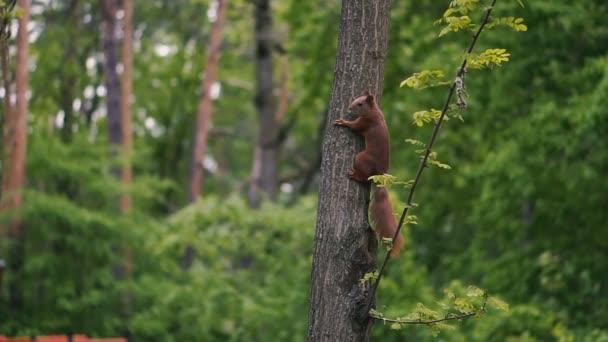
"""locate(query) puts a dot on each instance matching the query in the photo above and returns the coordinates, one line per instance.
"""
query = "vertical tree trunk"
(112, 80)
(205, 106)
(7, 119)
(17, 165)
(127, 91)
(345, 246)
(264, 175)
(284, 90)
(69, 73)
(21, 109)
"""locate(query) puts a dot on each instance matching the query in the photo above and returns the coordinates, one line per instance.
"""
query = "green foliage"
(469, 302)
(426, 116)
(424, 79)
(248, 280)
(488, 58)
(515, 23)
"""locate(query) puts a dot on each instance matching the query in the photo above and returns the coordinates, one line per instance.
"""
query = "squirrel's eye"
(360, 104)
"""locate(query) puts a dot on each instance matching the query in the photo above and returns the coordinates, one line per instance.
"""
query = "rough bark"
(127, 91)
(345, 246)
(264, 175)
(205, 106)
(112, 81)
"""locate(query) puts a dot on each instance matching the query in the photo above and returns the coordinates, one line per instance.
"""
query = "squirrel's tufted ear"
(367, 93)
(369, 98)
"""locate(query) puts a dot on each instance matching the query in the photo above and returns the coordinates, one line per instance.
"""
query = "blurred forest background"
(522, 213)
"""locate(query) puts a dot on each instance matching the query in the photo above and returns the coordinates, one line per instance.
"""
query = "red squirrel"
(373, 160)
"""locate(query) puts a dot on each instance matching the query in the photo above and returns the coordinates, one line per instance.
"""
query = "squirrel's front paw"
(340, 122)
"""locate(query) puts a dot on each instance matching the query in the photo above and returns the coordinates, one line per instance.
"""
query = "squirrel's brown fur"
(385, 223)
(374, 160)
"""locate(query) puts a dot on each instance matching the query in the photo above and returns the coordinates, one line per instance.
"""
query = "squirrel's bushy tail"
(384, 220)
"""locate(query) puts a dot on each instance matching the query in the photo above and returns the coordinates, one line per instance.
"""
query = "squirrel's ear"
(369, 98)
(367, 93)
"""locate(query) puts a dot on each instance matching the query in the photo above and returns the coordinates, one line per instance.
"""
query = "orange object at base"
(51, 338)
(15, 339)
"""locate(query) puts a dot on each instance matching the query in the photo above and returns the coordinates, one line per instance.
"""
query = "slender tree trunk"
(264, 175)
(112, 81)
(21, 109)
(17, 167)
(345, 246)
(284, 90)
(70, 75)
(7, 120)
(205, 106)
(127, 91)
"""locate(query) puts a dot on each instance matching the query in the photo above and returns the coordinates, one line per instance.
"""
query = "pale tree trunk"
(127, 91)
(205, 106)
(264, 175)
(17, 166)
(112, 81)
(21, 109)
(345, 246)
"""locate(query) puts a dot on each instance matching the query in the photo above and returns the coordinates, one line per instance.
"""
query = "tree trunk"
(17, 166)
(69, 74)
(345, 246)
(127, 91)
(112, 80)
(205, 106)
(21, 109)
(283, 102)
(264, 175)
(7, 119)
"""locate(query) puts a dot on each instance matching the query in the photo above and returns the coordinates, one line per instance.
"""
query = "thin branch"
(420, 322)
(434, 321)
(429, 146)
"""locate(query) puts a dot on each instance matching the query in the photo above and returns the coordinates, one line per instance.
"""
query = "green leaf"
(415, 142)
(488, 58)
(424, 79)
(375, 313)
(396, 326)
(411, 219)
(383, 180)
(369, 276)
(499, 304)
(473, 291)
(449, 293)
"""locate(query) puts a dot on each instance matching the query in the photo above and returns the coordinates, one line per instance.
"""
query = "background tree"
(14, 170)
(264, 175)
(345, 247)
(205, 107)
(112, 81)
(127, 93)
(7, 106)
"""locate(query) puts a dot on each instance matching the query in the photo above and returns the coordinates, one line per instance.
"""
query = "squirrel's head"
(362, 104)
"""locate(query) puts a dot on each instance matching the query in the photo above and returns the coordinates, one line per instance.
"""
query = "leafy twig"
(435, 321)
(428, 149)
